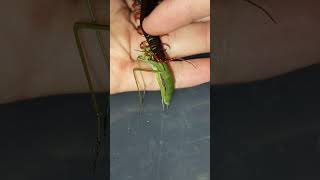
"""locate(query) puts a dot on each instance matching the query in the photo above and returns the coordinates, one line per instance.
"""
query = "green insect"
(164, 76)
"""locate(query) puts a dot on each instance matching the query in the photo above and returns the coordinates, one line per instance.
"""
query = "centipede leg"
(165, 44)
(136, 15)
(135, 4)
(139, 30)
(144, 44)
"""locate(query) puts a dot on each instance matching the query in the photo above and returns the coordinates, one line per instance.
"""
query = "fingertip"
(162, 19)
(149, 26)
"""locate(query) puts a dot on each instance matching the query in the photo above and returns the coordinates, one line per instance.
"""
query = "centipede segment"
(136, 14)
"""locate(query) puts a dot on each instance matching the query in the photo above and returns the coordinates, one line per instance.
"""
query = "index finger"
(173, 14)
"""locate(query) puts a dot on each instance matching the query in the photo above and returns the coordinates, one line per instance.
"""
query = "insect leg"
(136, 80)
(262, 9)
(144, 82)
(76, 29)
(98, 33)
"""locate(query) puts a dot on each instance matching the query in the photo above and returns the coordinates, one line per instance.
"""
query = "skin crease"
(123, 54)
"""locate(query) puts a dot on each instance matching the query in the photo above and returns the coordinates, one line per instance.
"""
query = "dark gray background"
(269, 129)
(265, 130)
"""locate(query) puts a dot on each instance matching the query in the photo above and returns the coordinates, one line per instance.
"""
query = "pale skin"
(184, 36)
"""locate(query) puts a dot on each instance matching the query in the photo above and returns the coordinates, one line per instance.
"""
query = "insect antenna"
(262, 9)
(184, 60)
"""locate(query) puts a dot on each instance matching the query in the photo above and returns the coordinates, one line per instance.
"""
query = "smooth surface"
(53, 138)
(248, 46)
(157, 144)
(269, 129)
(38, 53)
(48, 138)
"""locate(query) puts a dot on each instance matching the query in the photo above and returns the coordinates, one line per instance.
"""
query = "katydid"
(163, 72)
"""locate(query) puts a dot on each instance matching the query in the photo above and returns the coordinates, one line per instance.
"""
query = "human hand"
(188, 23)
(125, 41)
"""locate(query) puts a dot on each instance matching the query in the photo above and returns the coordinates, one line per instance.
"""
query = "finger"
(189, 40)
(115, 6)
(205, 19)
(188, 76)
(185, 75)
(186, 41)
(173, 14)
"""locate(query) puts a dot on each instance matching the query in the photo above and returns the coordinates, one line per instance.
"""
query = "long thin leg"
(76, 29)
(98, 33)
(263, 10)
(144, 82)
(103, 49)
(136, 80)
